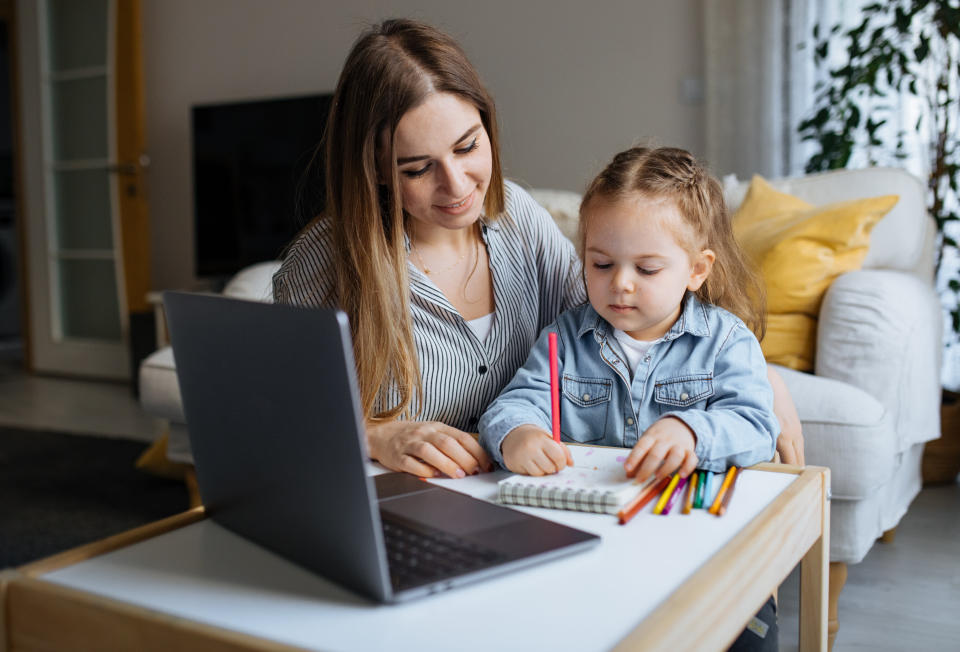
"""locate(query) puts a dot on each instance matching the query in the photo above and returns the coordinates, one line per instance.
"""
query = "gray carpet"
(60, 490)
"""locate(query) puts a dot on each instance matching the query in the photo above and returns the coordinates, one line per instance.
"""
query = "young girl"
(658, 360)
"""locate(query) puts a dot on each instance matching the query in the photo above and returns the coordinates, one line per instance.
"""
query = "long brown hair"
(392, 68)
(675, 174)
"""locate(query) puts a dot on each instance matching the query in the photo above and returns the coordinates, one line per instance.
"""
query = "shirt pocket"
(683, 391)
(585, 406)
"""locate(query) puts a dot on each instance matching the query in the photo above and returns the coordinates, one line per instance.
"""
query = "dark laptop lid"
(245, 432)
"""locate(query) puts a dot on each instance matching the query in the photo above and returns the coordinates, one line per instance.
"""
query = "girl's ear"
(700, 269)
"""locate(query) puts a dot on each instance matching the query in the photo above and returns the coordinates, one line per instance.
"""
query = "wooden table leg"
(838, 577)
(814, 586)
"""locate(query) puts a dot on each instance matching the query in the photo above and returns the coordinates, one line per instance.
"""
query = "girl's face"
(636, 271)
(444, 161)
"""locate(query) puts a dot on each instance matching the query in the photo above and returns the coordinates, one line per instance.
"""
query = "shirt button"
(482, 370)
(630, 421)
(646, 358)
(586, 397)
(684, 396)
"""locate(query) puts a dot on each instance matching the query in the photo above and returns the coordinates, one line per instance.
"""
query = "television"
(250, 193)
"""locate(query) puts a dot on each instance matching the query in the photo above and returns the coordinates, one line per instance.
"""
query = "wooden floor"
(903, 596)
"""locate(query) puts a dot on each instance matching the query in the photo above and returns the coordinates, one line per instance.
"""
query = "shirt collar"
(692, 319)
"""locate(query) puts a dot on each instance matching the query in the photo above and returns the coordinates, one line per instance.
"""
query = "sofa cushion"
(254, 282)
(846, 429)
(159, 389)
(799, 250)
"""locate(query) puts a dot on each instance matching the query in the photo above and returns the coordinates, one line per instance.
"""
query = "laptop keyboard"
(421, 555)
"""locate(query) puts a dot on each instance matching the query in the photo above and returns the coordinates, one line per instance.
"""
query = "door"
(81, 126)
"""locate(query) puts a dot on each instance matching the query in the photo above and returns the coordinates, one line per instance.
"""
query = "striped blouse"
(536, 275)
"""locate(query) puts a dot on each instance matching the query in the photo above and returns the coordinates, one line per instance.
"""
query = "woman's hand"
(790, 441)
(664, 447)
(532, 451)
(425, 448)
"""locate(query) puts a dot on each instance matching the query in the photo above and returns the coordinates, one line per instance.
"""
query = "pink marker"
(673, 497)
(554, 387)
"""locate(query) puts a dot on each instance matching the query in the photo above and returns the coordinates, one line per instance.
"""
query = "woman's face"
(443, 158)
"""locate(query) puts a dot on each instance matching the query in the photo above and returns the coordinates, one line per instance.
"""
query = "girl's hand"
(425, 448)
(664, 447)
(532, 451)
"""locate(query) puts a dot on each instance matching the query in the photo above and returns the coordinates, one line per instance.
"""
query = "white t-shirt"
(481, 326)
(635, 350)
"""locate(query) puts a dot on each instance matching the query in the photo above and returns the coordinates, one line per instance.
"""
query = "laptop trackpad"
(450, 511)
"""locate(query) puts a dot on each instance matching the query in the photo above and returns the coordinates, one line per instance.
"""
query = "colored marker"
(701, 480)
(707, 489)
(729, 495)
(691, 490)
(715, 507)
(554, 387)
(633, 508)
(665, 496)
(674, 497)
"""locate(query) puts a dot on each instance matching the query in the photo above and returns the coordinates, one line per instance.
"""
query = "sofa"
(873, 399)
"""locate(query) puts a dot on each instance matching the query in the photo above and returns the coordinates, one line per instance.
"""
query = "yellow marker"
(715, 507)
(665, 496)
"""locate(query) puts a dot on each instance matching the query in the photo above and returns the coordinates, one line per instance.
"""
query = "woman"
(446, 271)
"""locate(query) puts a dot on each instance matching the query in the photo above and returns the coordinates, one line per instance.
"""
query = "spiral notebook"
(595, 483)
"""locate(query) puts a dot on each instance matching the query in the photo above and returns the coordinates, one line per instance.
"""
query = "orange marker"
(691, 490)
(633, 508)
(729, 495)
(715, 507)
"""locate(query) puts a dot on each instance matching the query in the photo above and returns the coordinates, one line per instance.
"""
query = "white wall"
(574, 82)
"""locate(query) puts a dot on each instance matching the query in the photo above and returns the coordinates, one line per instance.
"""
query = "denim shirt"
(707, 371)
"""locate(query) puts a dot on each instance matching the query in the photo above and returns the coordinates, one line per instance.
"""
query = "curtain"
(759, 82)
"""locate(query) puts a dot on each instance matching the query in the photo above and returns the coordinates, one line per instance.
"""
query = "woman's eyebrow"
(423, 157)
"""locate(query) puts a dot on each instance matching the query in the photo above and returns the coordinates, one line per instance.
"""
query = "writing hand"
(426, 448)
(531, 450)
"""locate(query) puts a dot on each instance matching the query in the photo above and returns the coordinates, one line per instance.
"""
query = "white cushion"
(846, 429)
(254, 282)
(159, 389)
(563, 206)
(880, 330)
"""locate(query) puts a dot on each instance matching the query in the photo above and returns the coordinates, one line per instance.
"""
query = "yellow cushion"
(800, 249)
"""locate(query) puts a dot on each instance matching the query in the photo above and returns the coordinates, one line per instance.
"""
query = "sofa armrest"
(880, 330)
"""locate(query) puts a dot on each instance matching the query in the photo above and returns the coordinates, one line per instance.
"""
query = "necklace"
(427, 270)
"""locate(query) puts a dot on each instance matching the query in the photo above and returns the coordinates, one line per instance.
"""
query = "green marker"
(698, 498)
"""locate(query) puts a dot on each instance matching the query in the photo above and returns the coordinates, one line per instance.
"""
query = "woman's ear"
(700, 269)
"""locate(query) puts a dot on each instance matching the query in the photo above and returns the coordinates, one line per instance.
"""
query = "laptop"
(271, 401)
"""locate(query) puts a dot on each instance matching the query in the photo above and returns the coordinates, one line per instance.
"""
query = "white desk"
(679, 582)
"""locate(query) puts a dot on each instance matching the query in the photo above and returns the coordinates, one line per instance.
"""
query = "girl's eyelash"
(647, 272)
(417, 173)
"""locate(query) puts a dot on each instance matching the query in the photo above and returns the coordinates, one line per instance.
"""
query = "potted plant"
(902, 51)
